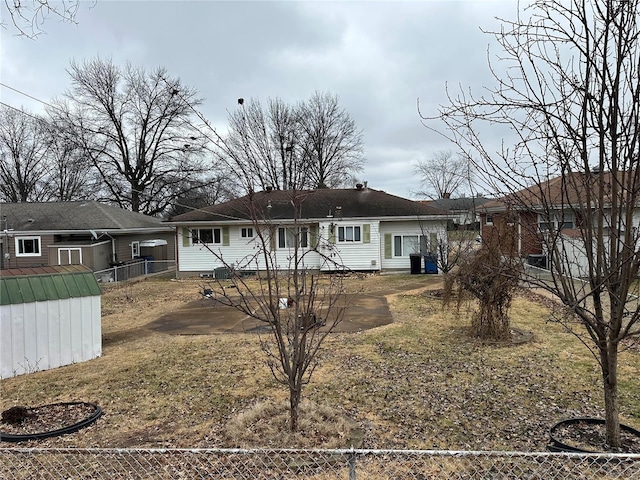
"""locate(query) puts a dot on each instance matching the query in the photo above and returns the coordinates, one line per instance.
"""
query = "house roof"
(313, 204)
(458, 204)
(73, 216)
(569, 189)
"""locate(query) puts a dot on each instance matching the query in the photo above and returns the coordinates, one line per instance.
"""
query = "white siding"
(242, 253)
(42, 335)
(352, 255)
(331, 254)
(417, 227)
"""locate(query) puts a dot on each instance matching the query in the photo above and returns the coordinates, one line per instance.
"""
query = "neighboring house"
(358, 229)
(464, 210)
(524, 220)
(49, 317)
(85, 233)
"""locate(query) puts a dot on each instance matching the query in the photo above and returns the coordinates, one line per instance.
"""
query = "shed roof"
(29, 285)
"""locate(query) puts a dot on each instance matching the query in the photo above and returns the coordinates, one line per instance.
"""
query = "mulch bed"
(45, 418)
(586, 436)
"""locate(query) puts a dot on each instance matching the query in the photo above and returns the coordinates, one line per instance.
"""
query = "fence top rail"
(290, 451)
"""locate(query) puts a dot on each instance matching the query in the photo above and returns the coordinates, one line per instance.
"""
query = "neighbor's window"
(207, 235)
(488, 220)
(555, 221)
(405, 245)
(349, 233)
(246, 232)
(135, 249)
(289, 236)
(28, 246)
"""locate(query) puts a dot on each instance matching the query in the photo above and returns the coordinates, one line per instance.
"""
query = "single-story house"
(360, 229)
(86, 233)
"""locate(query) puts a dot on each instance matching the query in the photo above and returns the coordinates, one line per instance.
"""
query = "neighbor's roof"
(313, 204)
(69, 216)
(458, 204)
(566, 190)
(27, 285)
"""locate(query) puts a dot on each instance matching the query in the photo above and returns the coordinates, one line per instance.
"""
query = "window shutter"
(225, 236)
(185, 237)
(272, 239)
(387, 245)
(366, 233)
(332, 233)
(313, 234)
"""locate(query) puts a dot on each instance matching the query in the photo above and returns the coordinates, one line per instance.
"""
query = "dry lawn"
(420, 382)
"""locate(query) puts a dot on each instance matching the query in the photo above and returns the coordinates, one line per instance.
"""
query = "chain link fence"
(81, 464)
(133, 269)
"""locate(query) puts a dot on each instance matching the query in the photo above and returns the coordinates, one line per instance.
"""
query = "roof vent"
(269, 188)
(359, 186)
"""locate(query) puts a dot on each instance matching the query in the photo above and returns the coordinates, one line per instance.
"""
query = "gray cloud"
(378, 57)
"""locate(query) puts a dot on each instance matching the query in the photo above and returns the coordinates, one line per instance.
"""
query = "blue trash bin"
(430, 264)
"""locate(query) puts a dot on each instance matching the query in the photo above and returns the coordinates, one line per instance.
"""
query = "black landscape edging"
(558, 446)
(7, 437)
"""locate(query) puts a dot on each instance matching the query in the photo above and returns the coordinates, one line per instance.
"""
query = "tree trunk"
(609, 362)
(294, 403)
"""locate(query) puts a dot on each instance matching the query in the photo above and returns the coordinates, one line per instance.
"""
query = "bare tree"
(299, 306)
(444, 174)
(28, 16)
(23, 150)
(261, 145)
(71, 175)
(205, 192)
(136, 129)
(331, 142)
(571, 94)
(315, 144)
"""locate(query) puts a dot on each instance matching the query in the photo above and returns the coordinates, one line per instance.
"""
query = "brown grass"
(420, 382)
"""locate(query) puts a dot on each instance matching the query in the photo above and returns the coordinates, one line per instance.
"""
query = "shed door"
(69, 256)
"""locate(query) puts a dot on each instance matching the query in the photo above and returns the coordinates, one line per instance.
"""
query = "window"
(69, 256)
(246, 232)
(28, 247)
(287, 237)
(555, 221)
(135, 249)
(349, 234)
(488, 220)
(405, 245)
(207, 235)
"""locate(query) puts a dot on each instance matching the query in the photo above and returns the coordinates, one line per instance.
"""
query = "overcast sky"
(378, 57)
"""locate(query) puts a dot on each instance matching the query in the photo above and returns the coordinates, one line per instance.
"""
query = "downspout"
(113, 246)
(519, 236)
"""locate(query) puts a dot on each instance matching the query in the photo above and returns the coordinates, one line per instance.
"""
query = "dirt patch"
(208, 316)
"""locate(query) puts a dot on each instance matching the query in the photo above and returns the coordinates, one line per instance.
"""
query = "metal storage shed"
(49, 317)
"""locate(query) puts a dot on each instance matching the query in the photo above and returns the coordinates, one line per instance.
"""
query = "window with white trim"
(246, 232)
(206, 235)
(405, 245)
(488, 219)
(288, 237)
(135, 249)
(349, 233)
(28, 246)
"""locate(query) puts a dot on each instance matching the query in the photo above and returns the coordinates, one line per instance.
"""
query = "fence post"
(352, 464)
